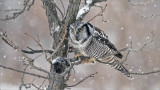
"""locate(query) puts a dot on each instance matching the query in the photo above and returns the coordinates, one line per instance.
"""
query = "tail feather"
(119, 55)
(118, 66)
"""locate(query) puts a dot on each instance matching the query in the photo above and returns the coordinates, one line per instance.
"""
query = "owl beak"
(75, 33)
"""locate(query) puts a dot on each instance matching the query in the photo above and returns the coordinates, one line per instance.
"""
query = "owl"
(90, 41)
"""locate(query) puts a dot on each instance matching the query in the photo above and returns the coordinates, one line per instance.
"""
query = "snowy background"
(125, 23)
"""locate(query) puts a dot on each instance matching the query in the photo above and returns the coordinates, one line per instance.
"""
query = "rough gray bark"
(57, 81)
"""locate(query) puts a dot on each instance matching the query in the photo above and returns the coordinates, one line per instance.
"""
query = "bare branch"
(92, 75)
(143, 73)
(22, 78)
(29, 6)
(143, 4)
(16, 14)
(27, 86)
(64, 12)
(144, 45)
(60, 11)
(9, 68)
(32, 51)
(100, 14)
(11, 10)
(38, 42)
(27, 60)
(42, 83)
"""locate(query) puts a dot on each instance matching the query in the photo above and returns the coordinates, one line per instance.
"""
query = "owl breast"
(95, 49)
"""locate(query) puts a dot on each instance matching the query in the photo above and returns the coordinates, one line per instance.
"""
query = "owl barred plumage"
(93, 42)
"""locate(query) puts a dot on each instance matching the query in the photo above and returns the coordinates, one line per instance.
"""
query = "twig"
(29, 6)
(9, 68)
(140, 4)
(36, 51)
(100, 13)
(42, 84)
(27, 59)
(59, 11)
(29, 84)
(144, 45)
(16, 14)
(64, 12)
(128, 52)
(92, 75)
(38, 42)
(143, 4)
(35, 86)
(22, 78)
(147, 73)
(10, 10)
(68, 76)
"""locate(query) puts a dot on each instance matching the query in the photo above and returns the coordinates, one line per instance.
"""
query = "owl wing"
(102, 38)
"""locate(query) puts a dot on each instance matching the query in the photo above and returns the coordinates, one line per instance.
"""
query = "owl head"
(80, 31)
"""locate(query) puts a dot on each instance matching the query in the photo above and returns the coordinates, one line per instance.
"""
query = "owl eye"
(80, 29)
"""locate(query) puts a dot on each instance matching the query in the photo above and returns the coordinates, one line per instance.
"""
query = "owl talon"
(87, 61)
(78, 55)
(90, 60)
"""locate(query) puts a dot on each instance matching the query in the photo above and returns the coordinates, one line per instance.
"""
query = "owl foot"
(89, 60)
(78, 55)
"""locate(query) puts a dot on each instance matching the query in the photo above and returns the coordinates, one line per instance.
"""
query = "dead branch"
(16, 14)
(27, 60)
(29, 6)
(10, 10)
(9, 68)
(27, 86)
(41, 84)
(38, 42)
(32, 51)
(92, 75)
(100, 13)
(143, 4)
(22, 78)
(64, 12)
(145, 73)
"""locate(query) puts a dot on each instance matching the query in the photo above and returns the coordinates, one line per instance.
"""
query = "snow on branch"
(85, 9)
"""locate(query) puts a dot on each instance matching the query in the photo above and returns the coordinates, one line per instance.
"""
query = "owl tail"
(118, 66)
